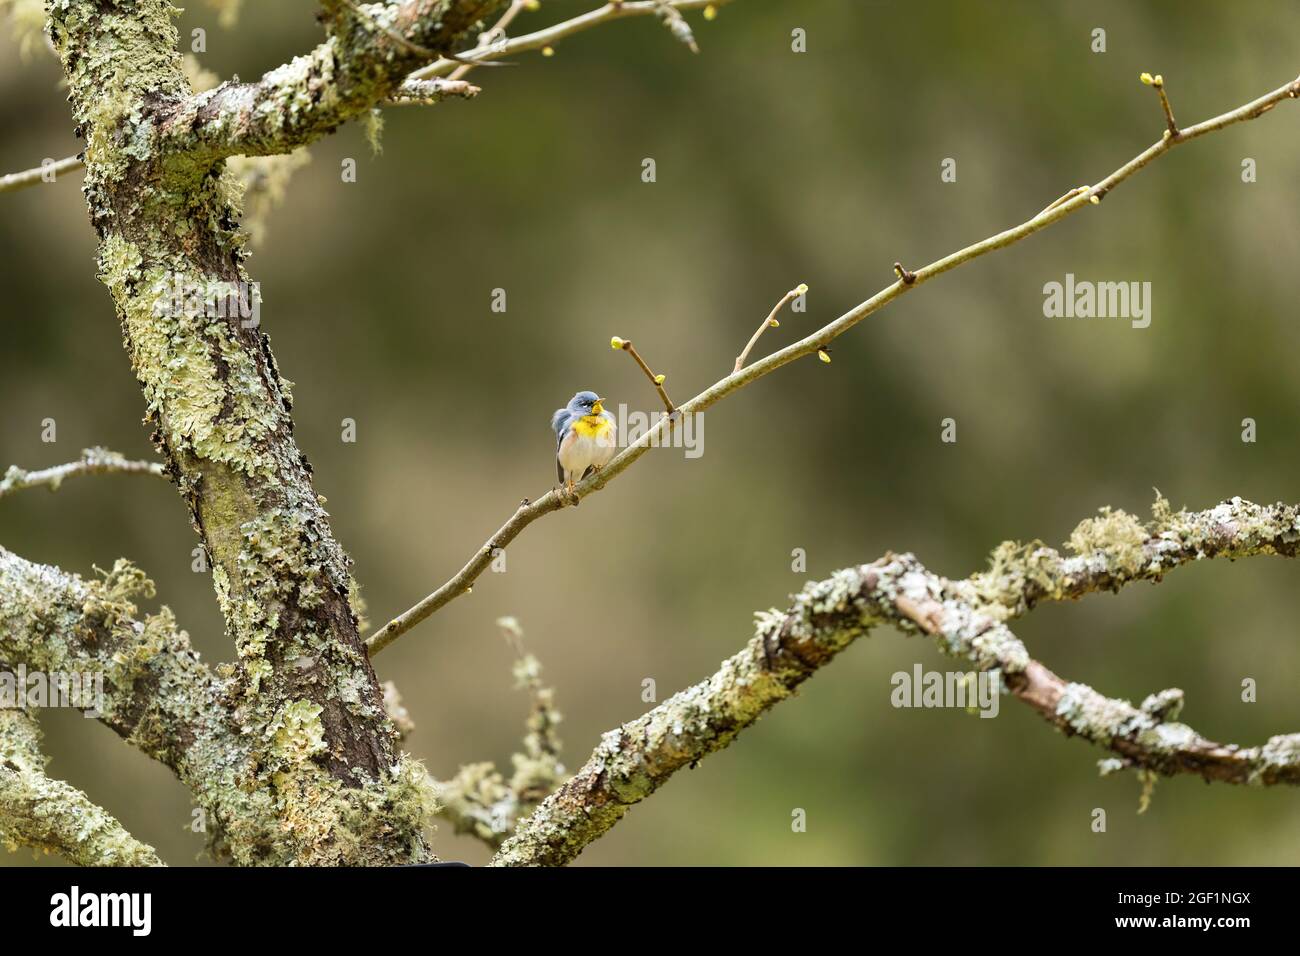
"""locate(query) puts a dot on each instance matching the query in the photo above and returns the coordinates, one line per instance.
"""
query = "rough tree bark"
(166, 212)
(291, 750)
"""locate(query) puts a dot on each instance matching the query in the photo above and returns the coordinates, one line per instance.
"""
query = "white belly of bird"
(581, 452)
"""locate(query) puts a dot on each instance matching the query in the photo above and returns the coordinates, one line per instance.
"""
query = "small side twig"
(769, 322)
(428, 92)
(479, 800)
(547, 37)
(656, 380)
(676, 23)
(1158, 82)
(1063, 198)
(93, 461)
(497, 32)
(902, 272)
(30, 177)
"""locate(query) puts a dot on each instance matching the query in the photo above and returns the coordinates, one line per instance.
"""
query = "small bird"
(585, 438)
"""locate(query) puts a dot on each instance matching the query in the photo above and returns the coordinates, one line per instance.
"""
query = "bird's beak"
(599, 406)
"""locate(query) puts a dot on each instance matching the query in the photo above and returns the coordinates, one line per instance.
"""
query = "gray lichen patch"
(1279, 756)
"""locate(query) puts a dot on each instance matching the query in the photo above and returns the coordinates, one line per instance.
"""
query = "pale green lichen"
(51, 816)
(296, 731)
(1148, 780)
(1115, 532)
(375, 131)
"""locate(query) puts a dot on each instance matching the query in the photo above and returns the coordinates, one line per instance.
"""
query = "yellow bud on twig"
(548, 51)
(824, 355)
(1147, 78)
(801, 288)
(774, 323)
(710, 12)
(659, 379)
(616, 343)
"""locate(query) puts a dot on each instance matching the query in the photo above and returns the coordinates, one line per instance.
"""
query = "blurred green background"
(773, 168)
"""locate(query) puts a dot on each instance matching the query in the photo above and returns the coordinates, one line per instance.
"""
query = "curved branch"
(54, 816)
(825, 617)
(93, 461)
(1078, 199)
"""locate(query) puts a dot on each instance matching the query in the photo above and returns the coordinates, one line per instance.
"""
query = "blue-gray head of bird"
(584, 403)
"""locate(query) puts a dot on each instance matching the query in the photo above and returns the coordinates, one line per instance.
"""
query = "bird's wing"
(567, 434)
(560, 423)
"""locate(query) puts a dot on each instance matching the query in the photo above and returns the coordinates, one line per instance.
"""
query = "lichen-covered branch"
(369, 53)
(53, 816)
(479, 800)
(816, 343)
(965, 620)
(308, 706)
(158, 695)
(93, 461)
(1116, 548)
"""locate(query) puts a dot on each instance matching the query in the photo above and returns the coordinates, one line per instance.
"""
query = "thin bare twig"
(769, 322)
(497, 32)
(1158, 82)
(32, 177)
(816, 343)
(551, 35)
(93, 461)
(656, 380)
